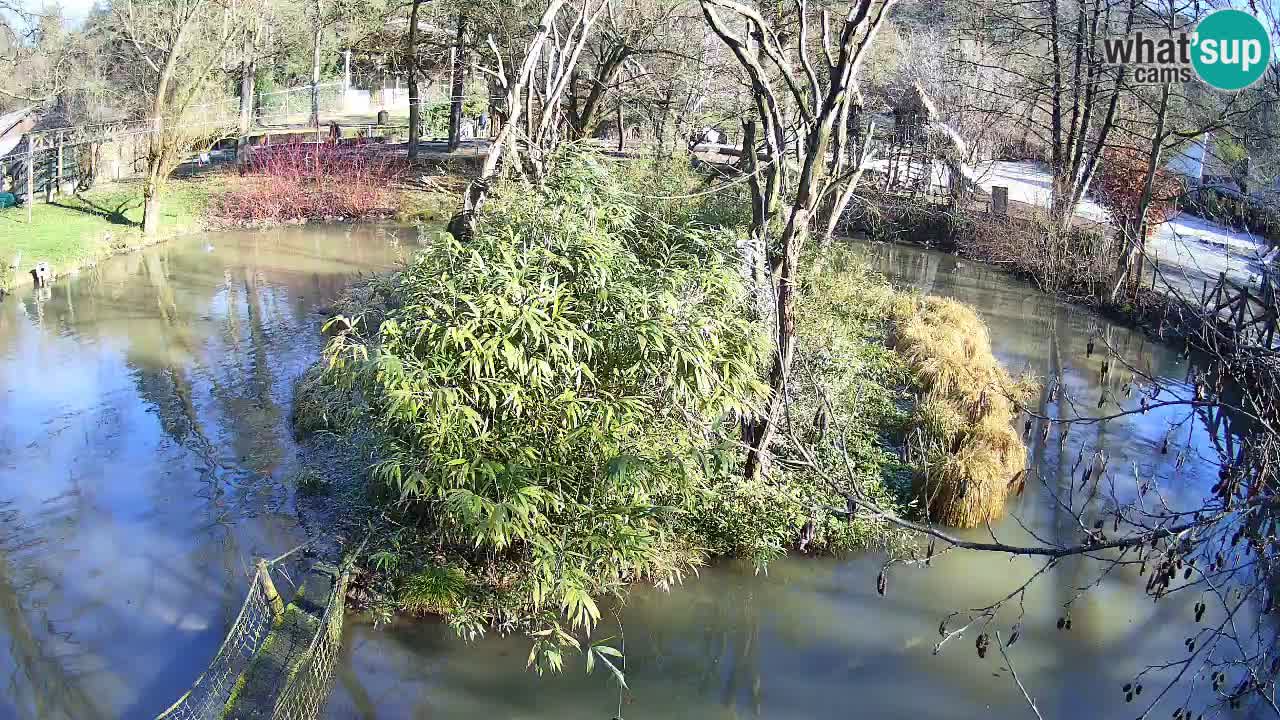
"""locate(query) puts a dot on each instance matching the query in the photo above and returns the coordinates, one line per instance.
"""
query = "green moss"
(426, 208)
(235, 696)
(238, 689)
(434, 590)
(261, 656)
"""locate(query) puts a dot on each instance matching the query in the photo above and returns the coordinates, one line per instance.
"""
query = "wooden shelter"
(910, 157)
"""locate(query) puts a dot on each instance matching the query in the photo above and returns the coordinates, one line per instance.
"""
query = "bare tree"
(1159, 121)
(822, 102)
(533, 109)
(37, 56)
(178, 47)
(629, 35)
(1044, 63)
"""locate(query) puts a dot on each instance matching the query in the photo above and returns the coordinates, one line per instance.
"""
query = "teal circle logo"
(1232, 49)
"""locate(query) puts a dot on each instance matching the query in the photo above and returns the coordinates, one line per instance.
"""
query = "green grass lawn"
(78, 230)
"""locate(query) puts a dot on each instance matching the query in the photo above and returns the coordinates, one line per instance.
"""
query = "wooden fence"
(1247, 316)
(60, 162)
(49, 164)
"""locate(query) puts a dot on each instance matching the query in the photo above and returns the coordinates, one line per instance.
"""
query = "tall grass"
(967, 455)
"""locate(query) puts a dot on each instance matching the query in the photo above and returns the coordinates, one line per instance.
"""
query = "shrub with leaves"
(556, 404)
(1122, 181)
(546, 394)
(848, 400)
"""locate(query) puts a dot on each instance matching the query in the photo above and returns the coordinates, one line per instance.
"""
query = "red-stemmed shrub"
(313, 181)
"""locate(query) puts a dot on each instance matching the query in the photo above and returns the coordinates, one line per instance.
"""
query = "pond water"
(145, 454)
(146, 458)
(812, 639)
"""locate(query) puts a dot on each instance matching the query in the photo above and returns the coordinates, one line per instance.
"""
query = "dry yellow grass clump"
(967, 455)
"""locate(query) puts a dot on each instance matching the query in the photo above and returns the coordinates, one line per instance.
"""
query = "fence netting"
(311, 679)
(209, 695)
(310, 676)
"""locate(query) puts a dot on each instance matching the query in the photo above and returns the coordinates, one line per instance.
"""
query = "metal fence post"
(31, 180)
(62, 137)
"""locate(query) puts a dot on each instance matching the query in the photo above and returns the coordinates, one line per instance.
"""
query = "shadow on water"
(812, 639)
(145, 454)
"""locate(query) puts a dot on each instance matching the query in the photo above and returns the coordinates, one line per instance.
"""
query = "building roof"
(13, 126)
(916, 101)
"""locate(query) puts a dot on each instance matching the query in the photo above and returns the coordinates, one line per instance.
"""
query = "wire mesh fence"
(282, 106)
(311, 680)
(209, 695)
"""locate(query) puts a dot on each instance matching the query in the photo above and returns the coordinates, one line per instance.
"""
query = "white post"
(346, 70)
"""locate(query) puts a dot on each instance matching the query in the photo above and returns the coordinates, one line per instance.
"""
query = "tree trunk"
(759, 209)
(150, 209)
(583, 119)
(248, 70)
(1135, 241)
(315, 69)
(622, 130)
(1060, 191)
(458, 87)
(415, 107)
(760, 435)
(153, 185)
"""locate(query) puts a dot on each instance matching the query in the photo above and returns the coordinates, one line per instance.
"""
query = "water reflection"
(144, 453)
(813, 639)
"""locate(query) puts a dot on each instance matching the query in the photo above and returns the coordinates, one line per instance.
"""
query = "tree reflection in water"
(144, 448)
